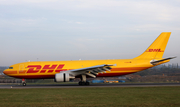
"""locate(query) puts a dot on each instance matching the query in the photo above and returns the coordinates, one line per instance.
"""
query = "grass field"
(87, 97)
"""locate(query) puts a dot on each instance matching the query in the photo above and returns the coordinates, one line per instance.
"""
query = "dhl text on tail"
(63, 71)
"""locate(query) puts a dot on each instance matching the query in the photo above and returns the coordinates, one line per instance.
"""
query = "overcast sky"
(47, 30)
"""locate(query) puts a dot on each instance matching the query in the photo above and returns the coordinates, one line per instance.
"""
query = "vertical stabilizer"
(157, 48)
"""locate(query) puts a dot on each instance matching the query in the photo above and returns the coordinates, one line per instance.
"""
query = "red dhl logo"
(154, 50)
(45, 68)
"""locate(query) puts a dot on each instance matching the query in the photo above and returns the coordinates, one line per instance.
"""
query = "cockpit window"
(10, 67)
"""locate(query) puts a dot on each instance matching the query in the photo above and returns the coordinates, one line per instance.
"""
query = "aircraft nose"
(5, 72)
(9, 72)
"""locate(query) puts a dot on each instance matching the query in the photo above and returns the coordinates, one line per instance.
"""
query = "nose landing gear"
(23, 82)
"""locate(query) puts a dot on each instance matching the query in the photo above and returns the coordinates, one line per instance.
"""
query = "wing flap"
(91, 71)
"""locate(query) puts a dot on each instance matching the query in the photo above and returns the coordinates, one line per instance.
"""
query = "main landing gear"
(84, 83)
(83, 80)
(23, 82)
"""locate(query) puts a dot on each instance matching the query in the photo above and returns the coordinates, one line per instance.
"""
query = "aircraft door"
(21, 68)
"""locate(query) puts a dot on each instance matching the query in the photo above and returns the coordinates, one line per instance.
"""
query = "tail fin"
(157, 48)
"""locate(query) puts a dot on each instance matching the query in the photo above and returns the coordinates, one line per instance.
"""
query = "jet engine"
(63, 77)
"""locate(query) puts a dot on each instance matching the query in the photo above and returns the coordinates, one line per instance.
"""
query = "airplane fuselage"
(48, 69)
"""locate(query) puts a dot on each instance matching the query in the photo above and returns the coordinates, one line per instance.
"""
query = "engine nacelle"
(63, 77)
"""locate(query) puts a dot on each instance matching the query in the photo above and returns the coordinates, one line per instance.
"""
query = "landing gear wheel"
(86, 83)
(80, 83)
(83, 83)
(24, 84)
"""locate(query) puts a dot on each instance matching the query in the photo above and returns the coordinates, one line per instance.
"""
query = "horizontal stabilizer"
(154, 62)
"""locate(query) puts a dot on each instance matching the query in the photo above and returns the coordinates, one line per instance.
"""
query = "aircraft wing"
(154, 62)
(90, 71)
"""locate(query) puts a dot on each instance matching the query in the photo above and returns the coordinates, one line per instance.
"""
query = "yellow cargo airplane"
(64, 71)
